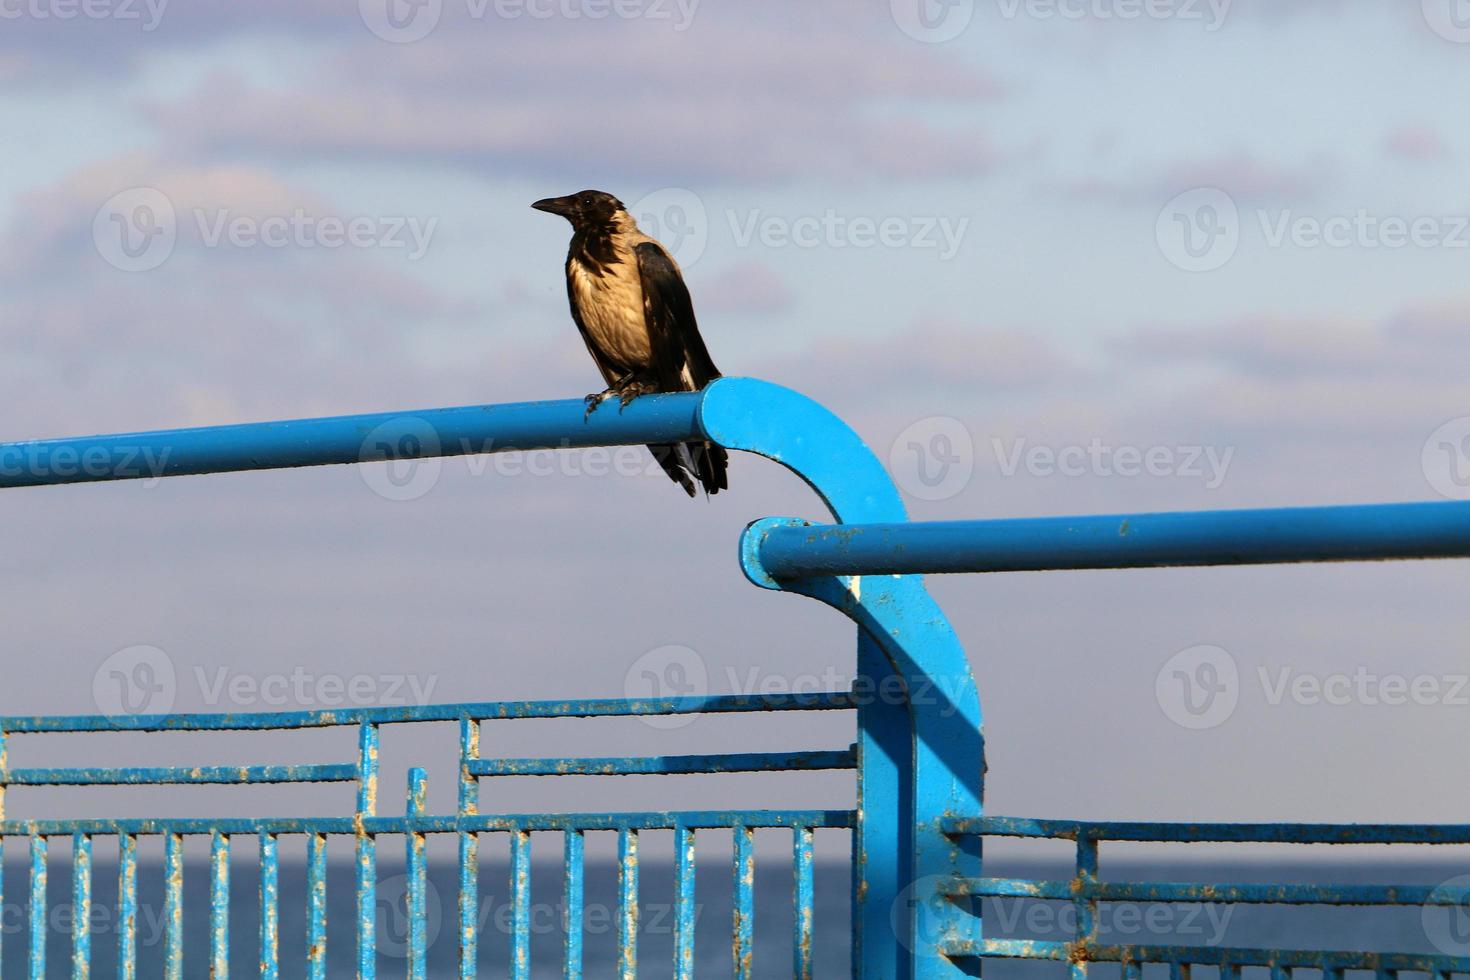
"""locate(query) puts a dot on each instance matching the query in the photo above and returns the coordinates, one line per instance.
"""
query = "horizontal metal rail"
(667, 765)
(1370, 532)
(180, 775)
(1215, 833)
(484, 823)
(1207, 956)
(1224, 894)
(485, 711)
(350, 439)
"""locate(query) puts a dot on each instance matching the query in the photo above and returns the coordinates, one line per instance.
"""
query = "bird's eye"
(587, 202)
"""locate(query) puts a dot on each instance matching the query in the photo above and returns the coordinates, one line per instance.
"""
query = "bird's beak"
(563, 206)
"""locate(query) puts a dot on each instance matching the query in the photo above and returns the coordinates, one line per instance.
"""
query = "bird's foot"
(626, 393)
(595, 399)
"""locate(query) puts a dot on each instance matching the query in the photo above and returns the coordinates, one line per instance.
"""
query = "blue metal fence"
(919, 763)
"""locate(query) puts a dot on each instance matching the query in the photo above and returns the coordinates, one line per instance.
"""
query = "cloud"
(700, 107)
(748, 287)
(1416, 143)
(1241, 175)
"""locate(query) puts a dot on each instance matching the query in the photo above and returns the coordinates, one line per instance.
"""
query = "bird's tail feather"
(688, 462)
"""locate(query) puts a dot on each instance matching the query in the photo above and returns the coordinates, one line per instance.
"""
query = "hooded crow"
(630, 303)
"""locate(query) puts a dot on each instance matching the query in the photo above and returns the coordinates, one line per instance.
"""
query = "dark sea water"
(1399, 930)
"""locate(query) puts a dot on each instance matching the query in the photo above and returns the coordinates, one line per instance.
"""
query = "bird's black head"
(585, 209)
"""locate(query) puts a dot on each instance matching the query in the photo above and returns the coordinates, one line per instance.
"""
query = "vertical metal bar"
(417, 881)
(316, 906)
(1178, 971)
(1132, 970)
(469, 851)
(520, 890)
(1279, 972)
(1085, 905)
(173, 907)
(81, 902)
(801, 966)
(1231, 971)
(627, 904)
(219, 906)
(38, 908)
(684, 917)
(127, 907)
(3, 768)
(743, 928)
(882, 841)
(270, 908)
(367, 853)
(576, 902)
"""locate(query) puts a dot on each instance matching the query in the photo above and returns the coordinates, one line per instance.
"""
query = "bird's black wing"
(671, 323)
(680, 360)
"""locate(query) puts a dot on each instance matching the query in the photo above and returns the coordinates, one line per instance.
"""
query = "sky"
(1048, 257)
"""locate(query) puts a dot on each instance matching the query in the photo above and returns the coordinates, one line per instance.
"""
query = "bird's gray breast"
(611, 306)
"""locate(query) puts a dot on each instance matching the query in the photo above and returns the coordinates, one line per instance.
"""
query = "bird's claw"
(593, 400)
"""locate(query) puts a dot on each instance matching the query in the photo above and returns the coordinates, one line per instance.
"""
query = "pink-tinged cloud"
(1419, 144)
(704, 106)
(1241, 175)
(745, 288)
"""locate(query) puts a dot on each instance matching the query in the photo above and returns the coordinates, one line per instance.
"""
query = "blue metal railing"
(918, 822)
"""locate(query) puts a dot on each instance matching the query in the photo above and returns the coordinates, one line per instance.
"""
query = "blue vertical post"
(803, 901)
(684, 904)
(38, 908)
(316, 906)
(575, 899)
(81, 900)
(1085, 905)
(469, 850)
(173, 907)
(520, 890)
(743, 946)
(127, 907)
(627, 904)
(417, 878)
(366, 858)
(219, 906)
(3, 768)
(270, 908)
